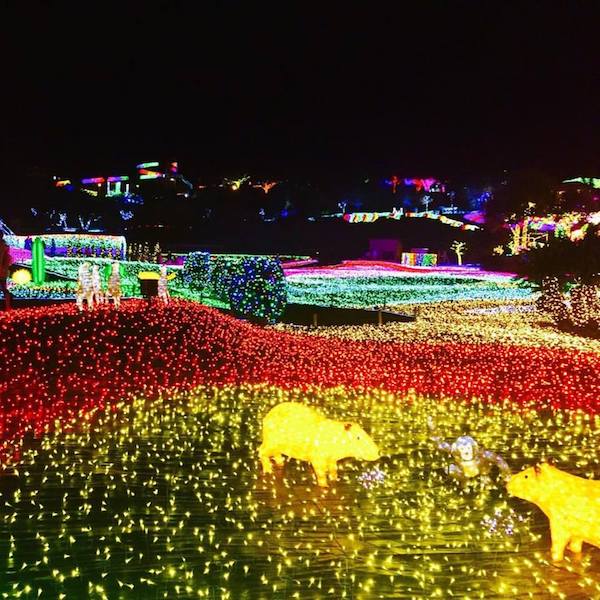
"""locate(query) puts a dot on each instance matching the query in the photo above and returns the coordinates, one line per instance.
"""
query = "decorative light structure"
(266, 186)
(38, 261)
(459, 249)
(572, 504)
(235, 184)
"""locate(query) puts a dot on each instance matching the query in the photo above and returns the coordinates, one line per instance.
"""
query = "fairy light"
(142, 475)
(186, 344)
(166, 497)
(357, 285)
(73, 242)
(464, 321)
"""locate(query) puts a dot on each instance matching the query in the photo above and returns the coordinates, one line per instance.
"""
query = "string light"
(166, 498)
(55, 356)
(464, 321)
(363, 285)
(115, 245)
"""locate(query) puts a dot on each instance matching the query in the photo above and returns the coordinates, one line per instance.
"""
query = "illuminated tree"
(459, 249)
(196, 270)
(562, 263)
(257, 290)
(267, 186)
(235, 184)
(393, 182)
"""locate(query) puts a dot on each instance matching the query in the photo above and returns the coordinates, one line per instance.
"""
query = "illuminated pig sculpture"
(300, 432)
(572, 504)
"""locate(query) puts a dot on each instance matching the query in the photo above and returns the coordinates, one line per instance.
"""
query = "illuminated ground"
(366, 284)
(166, 500)
(469, 321)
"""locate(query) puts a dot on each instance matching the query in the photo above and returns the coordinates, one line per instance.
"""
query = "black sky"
(441, 88)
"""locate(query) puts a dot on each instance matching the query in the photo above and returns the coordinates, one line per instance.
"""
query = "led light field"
(130, 466)
(366, 286)
(166, 499)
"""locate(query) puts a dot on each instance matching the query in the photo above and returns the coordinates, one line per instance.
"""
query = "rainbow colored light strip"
(367, 284)
(371, 217)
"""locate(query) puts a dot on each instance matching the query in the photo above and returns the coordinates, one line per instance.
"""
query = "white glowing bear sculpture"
(163, 288)
(114, 285)
(84, 287)
(300, 432)
(572, 504)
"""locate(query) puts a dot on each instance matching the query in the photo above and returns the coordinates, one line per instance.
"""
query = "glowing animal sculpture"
(97, 291)
(298, 431)
(572, 505)
(84, 287)
(163, 288)
(470, 460)
(114, 285)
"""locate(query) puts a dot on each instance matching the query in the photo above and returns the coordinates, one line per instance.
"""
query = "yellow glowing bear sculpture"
(298, 431)
(572, 504)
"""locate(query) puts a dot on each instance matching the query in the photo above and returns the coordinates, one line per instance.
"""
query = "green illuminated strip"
(38, 265)
(367, 292)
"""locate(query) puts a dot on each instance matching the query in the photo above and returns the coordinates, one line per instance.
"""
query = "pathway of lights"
(55, 357)
(166, 499)
(358, 286)
(468, 321)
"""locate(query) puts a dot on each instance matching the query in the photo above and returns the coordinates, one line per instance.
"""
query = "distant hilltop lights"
(592, 181)
(427, 184)
(120, 184)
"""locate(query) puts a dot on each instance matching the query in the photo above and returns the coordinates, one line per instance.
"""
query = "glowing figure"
(97, 292)
(114, 285)
(393, 182)
(267, 186)
(163, 288)
(298, 431)
(471, 460)
(572, 505)
(236, 184)
(84, 291)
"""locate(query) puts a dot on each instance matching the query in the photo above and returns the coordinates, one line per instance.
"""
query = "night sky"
(445, 88)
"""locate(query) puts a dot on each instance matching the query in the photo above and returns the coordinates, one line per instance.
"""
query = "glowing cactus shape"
(38, 261)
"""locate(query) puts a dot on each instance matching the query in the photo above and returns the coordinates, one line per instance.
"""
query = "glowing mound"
(55, 357)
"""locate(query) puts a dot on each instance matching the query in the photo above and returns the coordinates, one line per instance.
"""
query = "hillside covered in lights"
(134, 434)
